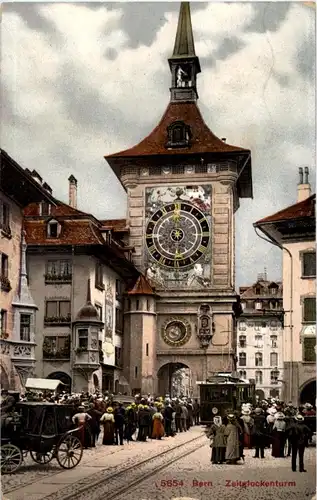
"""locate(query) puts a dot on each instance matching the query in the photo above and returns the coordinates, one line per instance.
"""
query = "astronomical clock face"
(177, 235)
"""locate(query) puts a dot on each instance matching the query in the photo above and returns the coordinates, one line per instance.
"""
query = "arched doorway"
(4, 379)
(96, 382)
(259, 394)
(175, 379)
(63, 377)
(308, 393)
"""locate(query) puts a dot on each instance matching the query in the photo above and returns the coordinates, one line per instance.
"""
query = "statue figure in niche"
(197, 275)
(153, 275)
(182, 77)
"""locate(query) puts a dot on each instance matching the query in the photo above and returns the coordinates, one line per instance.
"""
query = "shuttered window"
(309, 353)
(309, 264)
(310, 310)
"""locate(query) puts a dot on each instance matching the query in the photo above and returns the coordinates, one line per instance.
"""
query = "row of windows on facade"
(58, 347)
(257, 325)
(258, 341)
(259, 305)
(258, 359)
(308, 316)
(274, 376)
(60, 310)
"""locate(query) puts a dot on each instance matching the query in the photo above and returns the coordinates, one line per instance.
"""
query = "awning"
(42, 384)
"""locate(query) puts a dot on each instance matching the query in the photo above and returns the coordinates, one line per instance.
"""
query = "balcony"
(57, 320)
(58, 278)
(86, 359)
(5, 284)
(57, 354)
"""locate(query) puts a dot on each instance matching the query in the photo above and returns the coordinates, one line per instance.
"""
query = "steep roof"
(73, 232)
(141, 287)
(202, 140)
(305, 208)
(116, 225)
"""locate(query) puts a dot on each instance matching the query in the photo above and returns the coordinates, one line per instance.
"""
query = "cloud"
(80, 81)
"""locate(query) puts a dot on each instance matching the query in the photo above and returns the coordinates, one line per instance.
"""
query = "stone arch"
(260, 394)
(307, 392)
(167, 377)
(63, 377)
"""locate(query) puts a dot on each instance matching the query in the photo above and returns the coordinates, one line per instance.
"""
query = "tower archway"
(308, 393)
(175, 379)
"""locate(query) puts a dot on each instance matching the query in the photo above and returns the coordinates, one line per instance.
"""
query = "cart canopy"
(42, 384)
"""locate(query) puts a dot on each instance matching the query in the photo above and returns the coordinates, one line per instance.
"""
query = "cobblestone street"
(99, 476)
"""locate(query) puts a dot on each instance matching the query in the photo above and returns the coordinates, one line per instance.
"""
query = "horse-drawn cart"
(45, 431)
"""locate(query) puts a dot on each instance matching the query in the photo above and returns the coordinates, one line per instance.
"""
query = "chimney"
(224, 139)
(72, 191)
(303, 188)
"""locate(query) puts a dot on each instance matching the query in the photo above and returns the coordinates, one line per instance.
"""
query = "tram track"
(111, 486)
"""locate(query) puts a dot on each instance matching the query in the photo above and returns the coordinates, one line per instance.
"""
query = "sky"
(81, 81)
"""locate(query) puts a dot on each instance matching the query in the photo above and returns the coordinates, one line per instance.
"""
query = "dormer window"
(45, 208)
(53, 229)
(179, 135)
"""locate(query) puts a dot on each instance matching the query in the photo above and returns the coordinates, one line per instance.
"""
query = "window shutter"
(309, 353)
(310, 310)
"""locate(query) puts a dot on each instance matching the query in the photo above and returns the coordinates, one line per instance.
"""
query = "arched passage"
(308, 393)
(175, 379)
(63, 377)
(260, 394)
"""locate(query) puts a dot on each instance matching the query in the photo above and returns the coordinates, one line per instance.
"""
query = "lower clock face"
(177, 235)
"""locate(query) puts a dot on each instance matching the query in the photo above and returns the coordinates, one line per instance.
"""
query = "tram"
(222, 394)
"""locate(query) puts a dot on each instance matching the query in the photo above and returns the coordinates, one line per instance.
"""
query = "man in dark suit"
(299, 435)
(258, 432)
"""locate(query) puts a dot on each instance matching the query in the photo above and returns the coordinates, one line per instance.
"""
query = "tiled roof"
(265, 290)
(202, 140)
(61, 209)
(117, 225)
(141, 287)
(305, 208)
(73, 232)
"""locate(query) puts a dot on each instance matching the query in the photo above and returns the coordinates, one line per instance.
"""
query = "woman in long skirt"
(107, 420)
(218, 440)
(278, 435)
(158, 428)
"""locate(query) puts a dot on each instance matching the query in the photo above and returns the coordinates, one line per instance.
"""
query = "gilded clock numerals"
(177, 235)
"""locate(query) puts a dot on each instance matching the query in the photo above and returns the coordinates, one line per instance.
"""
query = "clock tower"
(184, 185)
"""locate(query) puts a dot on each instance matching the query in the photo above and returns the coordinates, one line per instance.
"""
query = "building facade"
(18, 309)
(260, 336)
(183, 185)
(294, 231)
(78, 331)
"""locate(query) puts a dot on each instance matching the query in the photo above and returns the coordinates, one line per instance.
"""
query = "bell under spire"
(184, 63)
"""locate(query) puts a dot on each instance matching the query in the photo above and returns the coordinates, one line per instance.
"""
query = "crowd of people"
(273, 426)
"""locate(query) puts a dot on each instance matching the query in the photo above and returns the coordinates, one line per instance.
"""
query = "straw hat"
(246, 411)
(299, 418)
(109, 410)
(258, 411)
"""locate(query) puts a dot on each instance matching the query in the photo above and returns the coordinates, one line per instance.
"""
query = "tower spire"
(184, 63)
(184, 41)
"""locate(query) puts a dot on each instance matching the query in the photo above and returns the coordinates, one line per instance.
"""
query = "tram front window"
(217, 394)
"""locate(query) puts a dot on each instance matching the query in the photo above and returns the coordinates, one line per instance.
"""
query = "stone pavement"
(195, 478)
(35, 482)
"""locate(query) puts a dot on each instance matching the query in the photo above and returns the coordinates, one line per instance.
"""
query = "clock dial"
(177, 235)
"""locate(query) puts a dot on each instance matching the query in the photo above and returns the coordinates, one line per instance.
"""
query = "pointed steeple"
(184, 41)
(88, 313)
(184, 63)
(24, 297)
(88, 293)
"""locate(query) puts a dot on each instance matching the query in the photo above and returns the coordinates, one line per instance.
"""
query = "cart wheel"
(42, 458)
(69, 452)
(10, 458)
